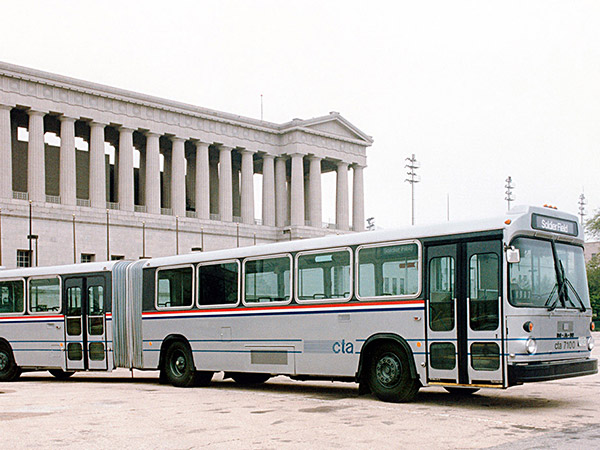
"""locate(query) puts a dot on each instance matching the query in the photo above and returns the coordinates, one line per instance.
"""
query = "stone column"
(5, 153)
(225, 184)
(297, 194)
(235, 186)
(202, 181)
(341, 198)
(152, 187)
(178, 177)
(68, 171)
(97, 166)
(358, 199)
(281, 194)
(36, 158)
(247, 207)
(315, 201)
(125, 169)
(268, 191)
(213, 173)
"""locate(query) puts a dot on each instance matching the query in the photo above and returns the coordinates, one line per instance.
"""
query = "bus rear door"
(463, 313)
(85, 323)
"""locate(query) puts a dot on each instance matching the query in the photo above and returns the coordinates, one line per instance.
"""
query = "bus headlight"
(531, 346)
(591, 343)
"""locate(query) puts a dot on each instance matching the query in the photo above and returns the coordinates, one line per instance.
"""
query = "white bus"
(492, 304)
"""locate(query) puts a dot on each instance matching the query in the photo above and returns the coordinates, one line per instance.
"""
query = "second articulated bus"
(492, 303)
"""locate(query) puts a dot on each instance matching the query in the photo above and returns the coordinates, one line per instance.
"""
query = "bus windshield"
(536, 281)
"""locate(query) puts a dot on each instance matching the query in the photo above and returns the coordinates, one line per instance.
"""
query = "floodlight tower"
(509, 194)
(413, 178)
(582, 202)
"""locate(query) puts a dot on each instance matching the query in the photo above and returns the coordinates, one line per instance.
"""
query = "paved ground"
(116, 411)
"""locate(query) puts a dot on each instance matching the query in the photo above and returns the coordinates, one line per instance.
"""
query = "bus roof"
(519, 217)
(101, 266)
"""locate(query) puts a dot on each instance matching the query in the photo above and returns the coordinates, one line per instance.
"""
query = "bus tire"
(389, 375)
(179, 365)
(249, 379)
(463, 392)
(9, 371)
(61, 374)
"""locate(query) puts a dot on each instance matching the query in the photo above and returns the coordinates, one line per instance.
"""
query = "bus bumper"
(552, 370)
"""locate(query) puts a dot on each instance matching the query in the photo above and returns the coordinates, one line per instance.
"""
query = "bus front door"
(85, 326)
(463, 313)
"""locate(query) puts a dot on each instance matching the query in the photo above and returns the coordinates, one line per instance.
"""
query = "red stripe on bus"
(280, 308)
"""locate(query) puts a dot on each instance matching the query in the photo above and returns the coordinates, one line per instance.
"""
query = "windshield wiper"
(552, 306)
(569, 284)
(565, 284)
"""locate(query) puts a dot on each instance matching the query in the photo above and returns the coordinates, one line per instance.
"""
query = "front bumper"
(552, 370)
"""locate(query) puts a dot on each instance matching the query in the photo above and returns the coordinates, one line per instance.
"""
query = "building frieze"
(199, 121)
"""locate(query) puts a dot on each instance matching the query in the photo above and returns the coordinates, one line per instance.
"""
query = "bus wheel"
(61, 374)
(9, 371)
(250, 378)
(179, 365)
(463, 392)
(389, 375)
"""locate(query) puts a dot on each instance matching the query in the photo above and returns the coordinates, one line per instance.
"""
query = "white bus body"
(391, 310)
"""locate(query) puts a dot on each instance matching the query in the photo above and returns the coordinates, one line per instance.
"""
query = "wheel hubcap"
(178, 364)
(388, 370)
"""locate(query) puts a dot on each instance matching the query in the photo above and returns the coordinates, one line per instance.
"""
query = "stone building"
(106, 173)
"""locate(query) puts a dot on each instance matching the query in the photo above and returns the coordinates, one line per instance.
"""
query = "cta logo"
(343, 347)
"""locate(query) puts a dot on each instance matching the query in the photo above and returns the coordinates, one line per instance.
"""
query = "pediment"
(336, 125)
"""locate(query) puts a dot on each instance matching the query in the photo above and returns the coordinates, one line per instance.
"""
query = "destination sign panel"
(554, 225)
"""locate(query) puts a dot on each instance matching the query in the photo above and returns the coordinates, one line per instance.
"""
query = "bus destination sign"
(554, 225)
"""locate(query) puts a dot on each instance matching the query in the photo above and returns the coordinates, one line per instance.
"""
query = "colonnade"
(288, 180)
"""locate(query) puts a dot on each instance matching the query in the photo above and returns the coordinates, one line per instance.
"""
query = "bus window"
(218, 284)
(441, 294)
(483, 295)
(388, 271)
(324, 275)
(12, 296)
(267, 280)
(44, 295)
(533, 280)
(174, 287)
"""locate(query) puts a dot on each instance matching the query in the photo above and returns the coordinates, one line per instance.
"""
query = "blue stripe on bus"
(37, 350)
(544, 338)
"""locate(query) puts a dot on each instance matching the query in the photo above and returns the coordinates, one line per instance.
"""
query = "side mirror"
(513, 255)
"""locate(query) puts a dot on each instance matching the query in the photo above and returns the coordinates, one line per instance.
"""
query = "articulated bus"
(483, 304)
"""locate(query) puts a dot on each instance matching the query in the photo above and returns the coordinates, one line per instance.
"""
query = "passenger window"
(12, 296)
(174, 288)
(324, 275)
(267, 280)
(483, 295)
(388, 271)
(441, 294)
(95, 300)
(44, 295)
(218, 284)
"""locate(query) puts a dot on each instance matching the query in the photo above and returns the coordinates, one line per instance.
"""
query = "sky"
(477, 90)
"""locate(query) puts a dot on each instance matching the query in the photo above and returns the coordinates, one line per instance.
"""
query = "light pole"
(509, 194)
(107, 236)
(177, 235)
(582, 203)
(413, 178)
(143, 240)
(74, 243)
